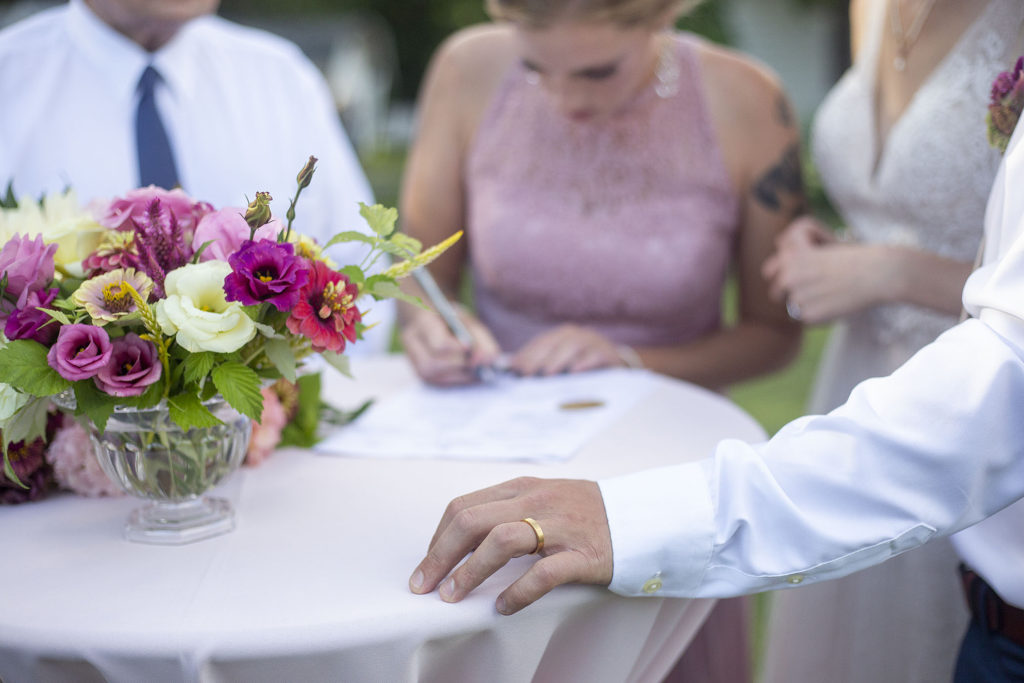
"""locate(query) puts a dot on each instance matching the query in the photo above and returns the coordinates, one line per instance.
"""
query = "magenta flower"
(80, 351)
(226, 230)
(1007, 102)
(133, 366)
(326, 312)
(266, 271)
(28, 264)
(31, 468)
(124, 212)
(27, 321)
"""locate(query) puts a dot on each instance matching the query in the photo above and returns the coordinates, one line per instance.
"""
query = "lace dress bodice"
(625, 225)
(928, 184)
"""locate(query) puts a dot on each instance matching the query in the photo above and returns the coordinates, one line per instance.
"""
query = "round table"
(311, 585)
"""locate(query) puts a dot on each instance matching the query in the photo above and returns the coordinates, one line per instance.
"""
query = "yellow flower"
(61, 221)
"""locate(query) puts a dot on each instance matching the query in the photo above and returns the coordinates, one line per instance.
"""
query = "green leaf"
(280, 354)
(187, 411)
(381, 219)
(410, 244)
(59, 316)
(94, 404)
(302, 430)
(9, 201)
(338, 362)
(380, 287)
(198, 366)
(240, 386)
(352, 236)
(23, 366)
(28, 423)
(354, 274)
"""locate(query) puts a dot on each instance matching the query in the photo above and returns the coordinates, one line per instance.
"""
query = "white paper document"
(511, 418)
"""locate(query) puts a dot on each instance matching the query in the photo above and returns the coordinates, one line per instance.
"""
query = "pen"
(447, 312)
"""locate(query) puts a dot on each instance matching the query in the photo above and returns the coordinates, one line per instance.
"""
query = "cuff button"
(652, 585)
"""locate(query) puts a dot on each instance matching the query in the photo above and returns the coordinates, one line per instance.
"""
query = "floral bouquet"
(1005, 106)
(163, 303)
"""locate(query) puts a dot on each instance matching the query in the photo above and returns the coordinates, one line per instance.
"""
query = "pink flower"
(80, 351)
(1006, 105)
(266, 433)
(133, 366)
(134, 206)
(29, 321)
(74, 464)
(28, 264)
(326, 312)
(226, 230)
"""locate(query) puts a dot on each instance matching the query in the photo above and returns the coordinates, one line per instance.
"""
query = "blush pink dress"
(626, 226)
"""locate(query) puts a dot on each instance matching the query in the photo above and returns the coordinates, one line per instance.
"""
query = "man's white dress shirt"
(930, 450)
(243, 109)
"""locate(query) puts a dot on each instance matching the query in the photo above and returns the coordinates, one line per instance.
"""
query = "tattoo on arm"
(783, 112)
(782, 179)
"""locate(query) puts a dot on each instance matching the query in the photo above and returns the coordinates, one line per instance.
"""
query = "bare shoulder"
(471, 63)
(739, 88)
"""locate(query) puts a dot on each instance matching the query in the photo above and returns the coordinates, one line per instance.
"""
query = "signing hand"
(822, 278)
(567, 348)
(577, 542)
(437, 355)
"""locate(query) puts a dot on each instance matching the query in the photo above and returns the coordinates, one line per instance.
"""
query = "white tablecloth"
(311, 586)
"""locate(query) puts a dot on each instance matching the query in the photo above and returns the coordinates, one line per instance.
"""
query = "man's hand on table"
(577, 542)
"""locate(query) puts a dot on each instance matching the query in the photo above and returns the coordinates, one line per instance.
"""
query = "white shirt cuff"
(662, 530)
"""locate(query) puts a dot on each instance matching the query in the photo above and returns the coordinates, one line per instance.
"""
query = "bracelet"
(629, 356)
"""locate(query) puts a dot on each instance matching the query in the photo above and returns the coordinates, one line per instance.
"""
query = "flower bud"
(258, 212)
(306, 174)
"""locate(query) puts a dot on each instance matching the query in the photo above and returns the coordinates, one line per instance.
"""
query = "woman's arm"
(433, 203)
(759, 138)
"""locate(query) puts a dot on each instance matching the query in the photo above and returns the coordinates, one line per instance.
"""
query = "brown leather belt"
(990, 610)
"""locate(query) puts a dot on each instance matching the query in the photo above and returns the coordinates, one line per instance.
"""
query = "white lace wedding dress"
(924, 186)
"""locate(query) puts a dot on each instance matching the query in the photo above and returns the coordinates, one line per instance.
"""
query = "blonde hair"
(544, 13)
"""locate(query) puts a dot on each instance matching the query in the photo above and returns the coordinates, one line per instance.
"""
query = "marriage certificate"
(511, 418)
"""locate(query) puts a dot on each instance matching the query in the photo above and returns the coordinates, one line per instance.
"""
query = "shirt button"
(795, 579)
(652, 586)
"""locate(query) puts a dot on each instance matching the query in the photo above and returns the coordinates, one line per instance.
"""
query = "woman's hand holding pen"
(440, 358)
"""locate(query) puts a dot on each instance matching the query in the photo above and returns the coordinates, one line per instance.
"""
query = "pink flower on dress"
(1005, 105)
(226, 230)
(266, 434)
(74, 464)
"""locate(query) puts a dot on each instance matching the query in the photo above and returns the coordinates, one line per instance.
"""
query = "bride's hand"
(567, 348)
(824, 281)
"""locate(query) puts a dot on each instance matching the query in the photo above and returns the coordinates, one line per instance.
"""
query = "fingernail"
(447, 590)
(499, 604)
(416, 581)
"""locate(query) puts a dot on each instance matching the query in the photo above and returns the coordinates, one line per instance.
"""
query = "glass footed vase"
(150, 457)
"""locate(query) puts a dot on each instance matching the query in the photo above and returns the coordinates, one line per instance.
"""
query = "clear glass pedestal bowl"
(151, 458)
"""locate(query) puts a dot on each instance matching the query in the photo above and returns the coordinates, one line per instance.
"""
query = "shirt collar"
(120, 61)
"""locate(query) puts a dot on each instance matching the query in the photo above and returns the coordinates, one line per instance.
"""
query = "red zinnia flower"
(326, 312)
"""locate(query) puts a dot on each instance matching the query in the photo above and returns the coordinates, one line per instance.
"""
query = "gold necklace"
(905, 39)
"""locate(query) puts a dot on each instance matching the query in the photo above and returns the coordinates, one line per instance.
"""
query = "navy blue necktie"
(156, 160)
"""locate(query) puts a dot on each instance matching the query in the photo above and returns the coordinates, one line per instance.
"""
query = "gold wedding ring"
(537, 530)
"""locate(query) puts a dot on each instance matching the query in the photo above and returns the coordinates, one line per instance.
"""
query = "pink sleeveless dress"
(626, 226)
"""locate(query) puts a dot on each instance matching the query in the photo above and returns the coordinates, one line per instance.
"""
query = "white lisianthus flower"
(61, 221)
(11, 401)
(196, 311)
